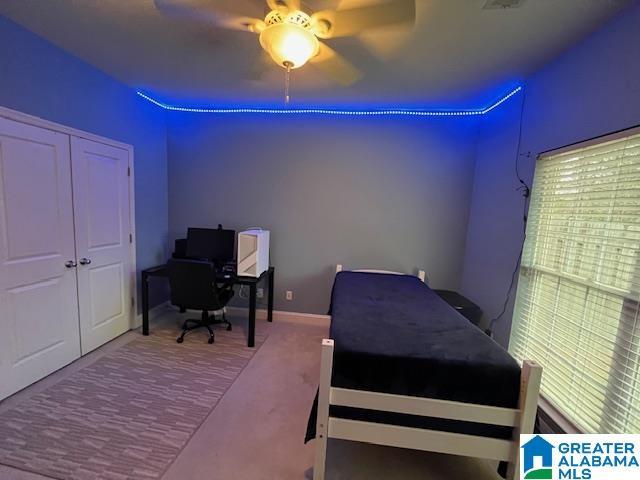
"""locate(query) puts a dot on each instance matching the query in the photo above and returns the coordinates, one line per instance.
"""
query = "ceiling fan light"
(289, 44)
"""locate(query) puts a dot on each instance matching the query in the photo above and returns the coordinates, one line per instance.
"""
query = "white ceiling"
(456, 54)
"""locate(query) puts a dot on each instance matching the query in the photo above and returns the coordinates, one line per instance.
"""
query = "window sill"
(554, 419)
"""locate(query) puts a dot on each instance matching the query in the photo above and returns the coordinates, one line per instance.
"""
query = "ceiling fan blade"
(335, 65)
(351, 21)
(290, 5)
(202, 11)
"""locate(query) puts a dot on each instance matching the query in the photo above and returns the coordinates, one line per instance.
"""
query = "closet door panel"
(38, 298)
(102, 225)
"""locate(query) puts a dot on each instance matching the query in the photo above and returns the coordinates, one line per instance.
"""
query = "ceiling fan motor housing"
(274, 17)
(502, 4)
(296, 17)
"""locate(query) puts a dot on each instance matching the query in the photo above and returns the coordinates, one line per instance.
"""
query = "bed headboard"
(421, 273)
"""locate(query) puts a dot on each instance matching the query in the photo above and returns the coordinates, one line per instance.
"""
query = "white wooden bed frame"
(521, 418)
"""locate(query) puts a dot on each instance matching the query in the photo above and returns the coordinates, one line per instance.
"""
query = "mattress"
(393, 334)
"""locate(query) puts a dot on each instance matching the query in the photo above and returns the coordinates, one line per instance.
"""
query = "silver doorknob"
(85, 261)
(70, 264)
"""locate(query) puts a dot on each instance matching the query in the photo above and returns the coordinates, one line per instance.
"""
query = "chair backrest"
(193, 284)
(180, 249)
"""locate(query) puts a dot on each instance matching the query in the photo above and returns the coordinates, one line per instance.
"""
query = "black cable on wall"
(525, 190)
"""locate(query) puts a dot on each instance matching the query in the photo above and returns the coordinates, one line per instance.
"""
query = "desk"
(251, 282)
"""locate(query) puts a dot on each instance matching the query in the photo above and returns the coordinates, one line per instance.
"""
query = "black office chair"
(180, 248)
(193, 285)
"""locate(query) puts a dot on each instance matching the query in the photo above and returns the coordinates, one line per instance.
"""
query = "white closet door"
(102, 225)
(38, 297)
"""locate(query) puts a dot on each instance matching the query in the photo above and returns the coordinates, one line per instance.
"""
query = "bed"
(402, 368)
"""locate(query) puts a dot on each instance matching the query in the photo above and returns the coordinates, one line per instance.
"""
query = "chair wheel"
(229, 328)
(210, 340)
(179, 339)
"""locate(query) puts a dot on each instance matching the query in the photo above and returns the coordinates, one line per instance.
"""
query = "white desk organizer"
(253, 252)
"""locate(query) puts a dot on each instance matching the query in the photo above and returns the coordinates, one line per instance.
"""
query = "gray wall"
(389, 193)
(40, 79)
(591, 90)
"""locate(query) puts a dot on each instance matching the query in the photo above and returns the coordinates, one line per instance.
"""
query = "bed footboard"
(522, 419)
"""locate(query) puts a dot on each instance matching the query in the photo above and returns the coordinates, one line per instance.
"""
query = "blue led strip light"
(323, 111)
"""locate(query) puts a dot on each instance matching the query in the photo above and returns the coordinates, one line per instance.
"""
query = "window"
(576, 309)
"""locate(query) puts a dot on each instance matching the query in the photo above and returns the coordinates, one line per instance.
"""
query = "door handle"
(70, 264)
(85, 261)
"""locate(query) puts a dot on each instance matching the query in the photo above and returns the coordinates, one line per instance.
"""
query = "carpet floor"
(256, 430)
(127, 415)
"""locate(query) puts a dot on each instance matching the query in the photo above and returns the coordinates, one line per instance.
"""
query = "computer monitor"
(216, 245)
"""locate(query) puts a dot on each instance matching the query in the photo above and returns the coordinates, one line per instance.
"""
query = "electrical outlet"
(260, 293)
(289, 295)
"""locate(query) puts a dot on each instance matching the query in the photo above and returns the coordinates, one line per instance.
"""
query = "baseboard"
(281, 315)
(261, 314)
(153, 313)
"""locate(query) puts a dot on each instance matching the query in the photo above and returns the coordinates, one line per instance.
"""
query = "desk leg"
(270, 298)
(252, 315)
(145, 304)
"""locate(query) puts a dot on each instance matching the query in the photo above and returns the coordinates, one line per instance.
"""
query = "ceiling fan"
(292, 37)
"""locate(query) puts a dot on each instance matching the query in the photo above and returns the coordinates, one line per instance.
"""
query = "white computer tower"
(253, 252)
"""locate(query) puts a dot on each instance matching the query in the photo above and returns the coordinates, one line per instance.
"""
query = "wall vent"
(494, 4)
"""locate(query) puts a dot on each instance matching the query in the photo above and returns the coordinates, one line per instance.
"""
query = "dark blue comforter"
(393, 334)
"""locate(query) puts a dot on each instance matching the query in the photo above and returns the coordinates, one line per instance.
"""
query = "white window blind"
(576, 309)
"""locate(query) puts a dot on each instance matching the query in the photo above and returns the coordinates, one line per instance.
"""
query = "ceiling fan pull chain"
(287, 79)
